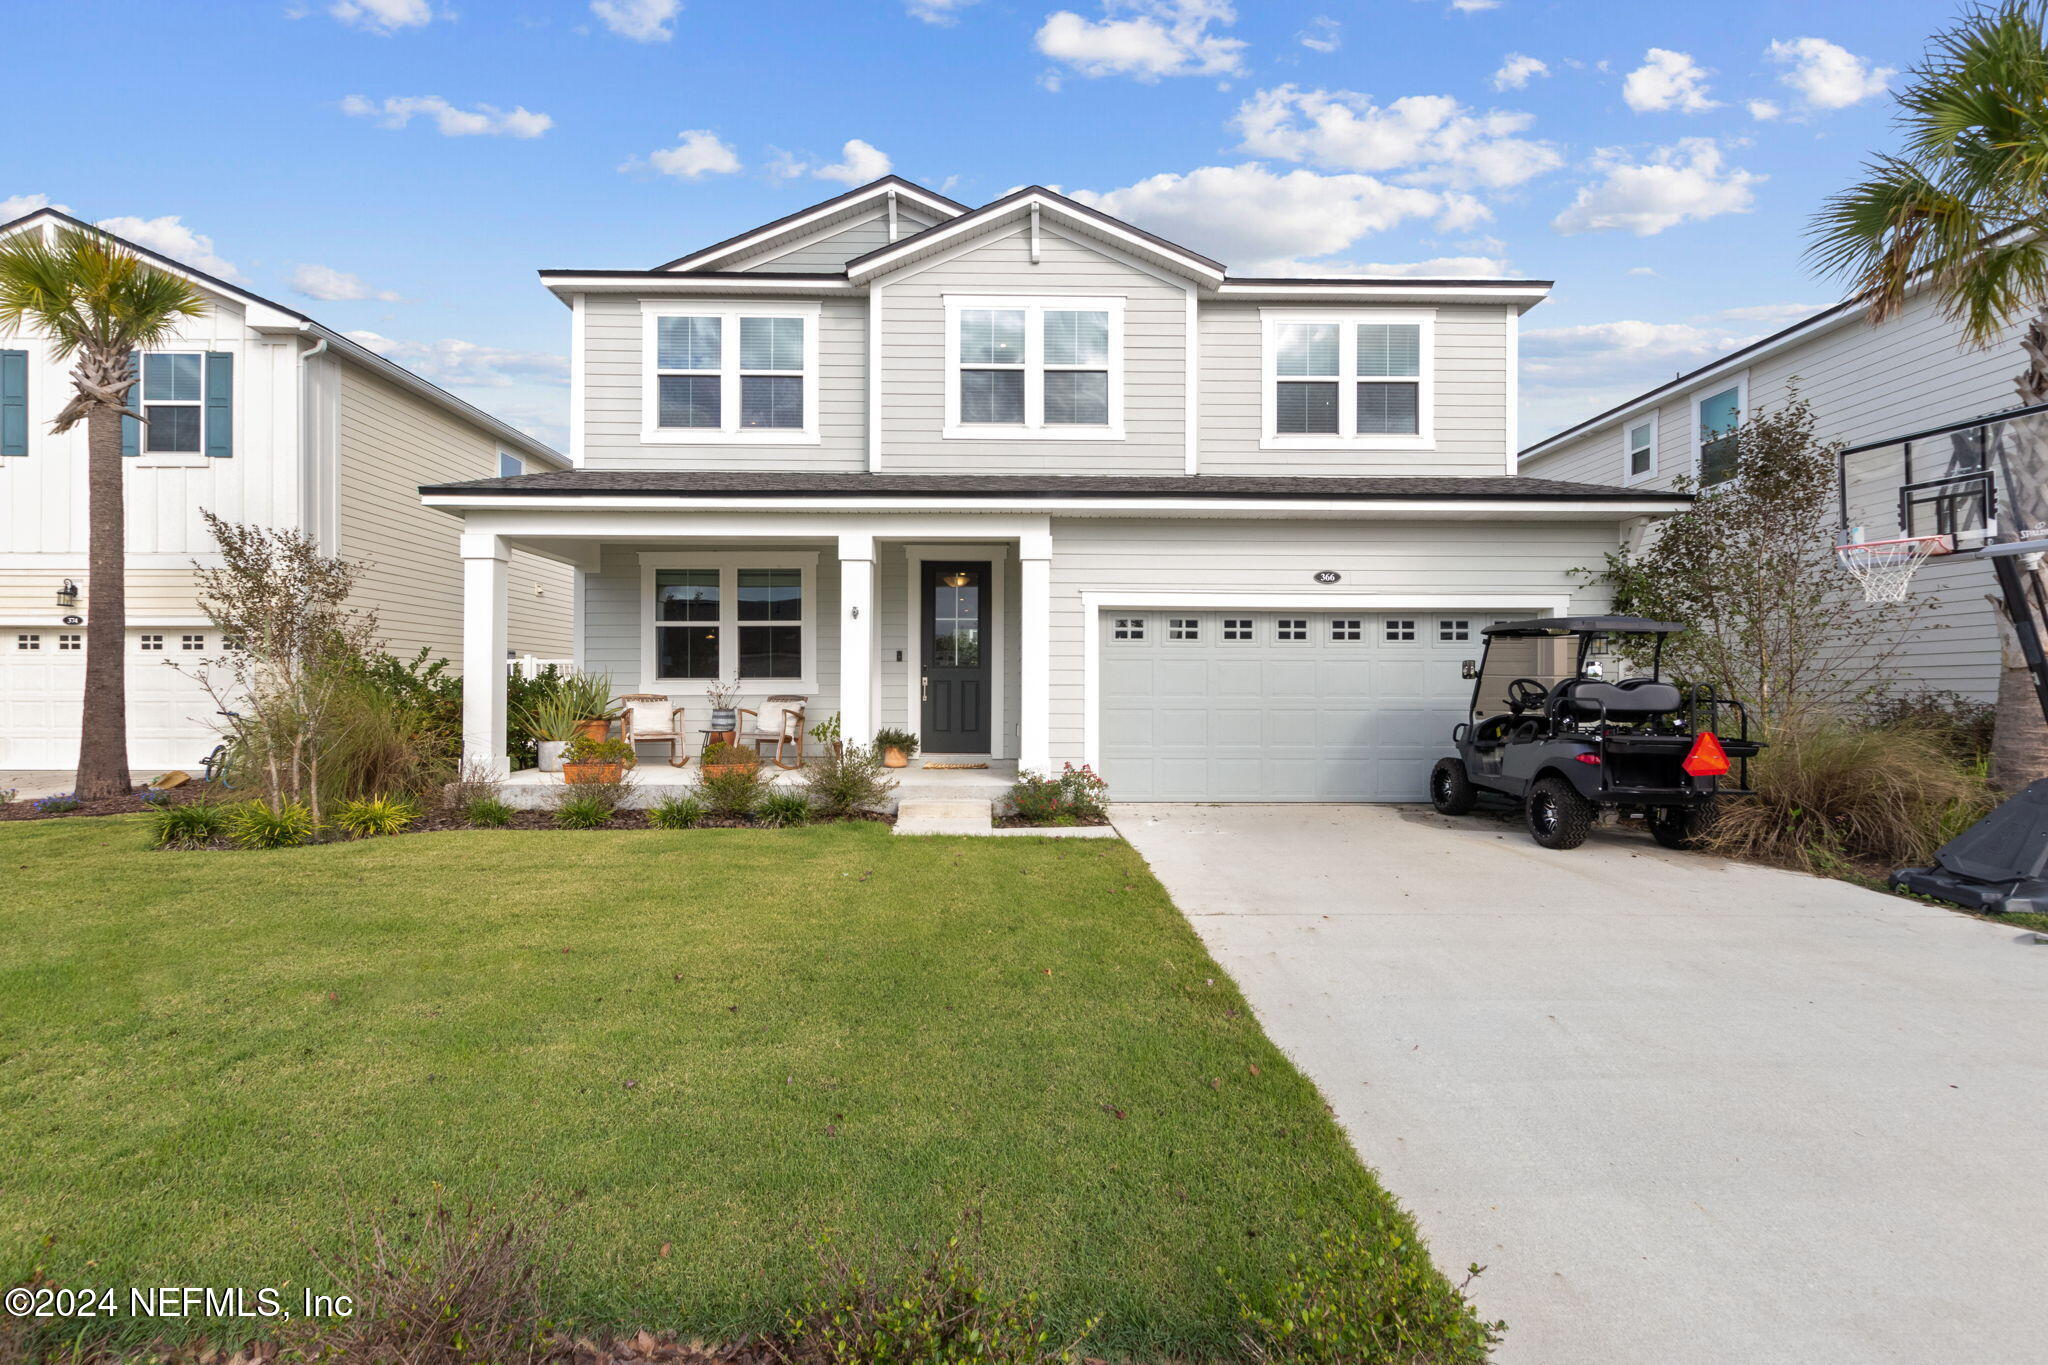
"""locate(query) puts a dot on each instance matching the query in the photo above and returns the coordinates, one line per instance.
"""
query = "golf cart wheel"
(1558, 816)
(1683, 827)
(1450, 791)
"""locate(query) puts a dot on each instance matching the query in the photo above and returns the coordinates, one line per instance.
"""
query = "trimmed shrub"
(487, 812)
(587, 806)
(841, 781)
(286, 825)
(188, 826)
(676, 812)
(777, 809)
(1065, 798)
(374, 816)
(733, 790)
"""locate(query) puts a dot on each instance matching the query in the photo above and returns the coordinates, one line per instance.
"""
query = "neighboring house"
(257, 414)
(1041, 487)
(1921, 413)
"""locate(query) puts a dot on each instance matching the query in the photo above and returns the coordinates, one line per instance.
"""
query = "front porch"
(651, 782)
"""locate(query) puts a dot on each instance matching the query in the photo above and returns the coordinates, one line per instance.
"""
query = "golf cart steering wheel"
(1526, 694)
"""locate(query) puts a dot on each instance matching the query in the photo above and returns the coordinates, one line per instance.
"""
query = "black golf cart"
(1548, 729)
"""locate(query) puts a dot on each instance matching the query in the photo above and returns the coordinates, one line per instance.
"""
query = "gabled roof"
(295, 321)
(1022, 202)
(805, 220)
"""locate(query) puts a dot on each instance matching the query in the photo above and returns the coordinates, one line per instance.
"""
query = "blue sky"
(400, 168)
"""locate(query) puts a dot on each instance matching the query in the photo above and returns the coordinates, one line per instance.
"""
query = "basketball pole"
(2023, 609)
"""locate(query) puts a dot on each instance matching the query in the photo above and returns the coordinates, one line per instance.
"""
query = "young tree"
(1963, 209)
(1750, 567)
(97, 304)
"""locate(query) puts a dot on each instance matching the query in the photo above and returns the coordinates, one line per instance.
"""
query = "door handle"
(924, 687)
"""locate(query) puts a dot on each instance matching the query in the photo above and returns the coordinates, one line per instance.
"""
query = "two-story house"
(259, 414)
(1041, 487)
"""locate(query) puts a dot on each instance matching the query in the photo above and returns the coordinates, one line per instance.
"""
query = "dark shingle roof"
(678, 482)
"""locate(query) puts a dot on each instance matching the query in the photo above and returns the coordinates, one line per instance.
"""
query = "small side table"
(712, 737)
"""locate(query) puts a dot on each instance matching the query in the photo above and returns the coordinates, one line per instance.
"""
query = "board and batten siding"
(390, 443)
(613, 391)
(913, 328)
(1470, 386)
(1865, 383)
(1401, 559)
(829, 254)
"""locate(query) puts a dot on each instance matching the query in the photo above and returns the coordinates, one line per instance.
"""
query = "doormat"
(949, 767)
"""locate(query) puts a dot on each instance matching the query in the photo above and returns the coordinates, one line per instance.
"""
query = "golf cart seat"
(1638, 699)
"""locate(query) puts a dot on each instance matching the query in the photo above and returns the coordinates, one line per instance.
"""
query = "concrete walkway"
(1684, 1110)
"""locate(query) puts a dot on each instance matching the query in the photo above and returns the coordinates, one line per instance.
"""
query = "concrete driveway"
(1684, 1110)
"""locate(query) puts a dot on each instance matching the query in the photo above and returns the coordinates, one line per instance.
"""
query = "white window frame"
(729, 313)
(1648, 419)
(1739, 383)
(1346, 436)
(1035, 307)
(170, 459)
(805, 562)
(506, 457)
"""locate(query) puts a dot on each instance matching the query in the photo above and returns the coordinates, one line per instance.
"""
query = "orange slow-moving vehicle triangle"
(1706, 758)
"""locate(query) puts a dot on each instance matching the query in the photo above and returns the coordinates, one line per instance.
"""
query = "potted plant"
(827, 733)
(590, 695)
(553, 721)
(596, 760)
(897, 747)
(725, 758)
(724, 697)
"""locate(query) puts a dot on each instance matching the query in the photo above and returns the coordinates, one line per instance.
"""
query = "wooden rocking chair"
(787, 733)
(649, 719)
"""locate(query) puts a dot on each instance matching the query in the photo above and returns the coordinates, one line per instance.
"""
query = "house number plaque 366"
(1327, 576)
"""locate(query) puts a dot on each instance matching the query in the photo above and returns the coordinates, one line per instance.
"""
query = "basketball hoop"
(1885, 568)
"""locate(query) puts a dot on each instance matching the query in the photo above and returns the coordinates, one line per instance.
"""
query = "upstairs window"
(1040, 369)
(735, 373)
(510, 466)
(187, 398)
(1716, 415)
(1359, 378)
(1639, 449)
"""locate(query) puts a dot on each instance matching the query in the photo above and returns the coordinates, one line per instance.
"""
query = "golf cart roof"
(1584, 625)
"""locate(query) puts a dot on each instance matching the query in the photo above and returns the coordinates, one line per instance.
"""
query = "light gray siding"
(613, 383)
(914, 370)
(829, 255)
(1865, 383)
(1471, 390)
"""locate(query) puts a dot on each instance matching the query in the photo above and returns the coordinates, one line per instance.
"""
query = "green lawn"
(206, 1058)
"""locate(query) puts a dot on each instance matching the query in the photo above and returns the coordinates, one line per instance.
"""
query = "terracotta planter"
(597, 731)
(895, 758)
(593, 772)
(720, 769)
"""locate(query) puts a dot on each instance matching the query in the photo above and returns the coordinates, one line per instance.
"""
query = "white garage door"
(1281, 705)
(42, 681)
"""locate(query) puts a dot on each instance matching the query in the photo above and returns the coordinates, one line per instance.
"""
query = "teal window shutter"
(131, 430)
(220, 403)
(13, 402)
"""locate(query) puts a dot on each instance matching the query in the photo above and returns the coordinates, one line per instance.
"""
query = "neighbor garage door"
(42, 681)
(1281, 705)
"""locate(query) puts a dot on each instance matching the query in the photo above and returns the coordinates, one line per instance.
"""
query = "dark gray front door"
(955, 658)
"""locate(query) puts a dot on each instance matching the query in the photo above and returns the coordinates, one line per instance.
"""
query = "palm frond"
(87, 292)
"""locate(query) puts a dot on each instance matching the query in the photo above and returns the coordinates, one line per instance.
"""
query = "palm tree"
(1963, 207)
(97, 303)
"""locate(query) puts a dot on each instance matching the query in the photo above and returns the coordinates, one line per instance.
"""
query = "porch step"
(945, 815)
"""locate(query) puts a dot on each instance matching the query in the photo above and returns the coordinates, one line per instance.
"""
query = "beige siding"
(914, 371)
(613, 382)
(153, 595)
(1471, 396)
(829, 255)
(392, 442)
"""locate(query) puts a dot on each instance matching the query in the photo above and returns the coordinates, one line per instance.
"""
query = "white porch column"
(1034, 641)
(857, 637)
(484, 611)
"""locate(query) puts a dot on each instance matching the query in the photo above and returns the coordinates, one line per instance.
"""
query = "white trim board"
(997, 555)
(1095, 602)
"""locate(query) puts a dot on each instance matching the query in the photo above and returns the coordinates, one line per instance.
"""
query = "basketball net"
(1884, 569)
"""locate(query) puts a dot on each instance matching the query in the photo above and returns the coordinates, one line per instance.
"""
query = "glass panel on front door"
(956, 620)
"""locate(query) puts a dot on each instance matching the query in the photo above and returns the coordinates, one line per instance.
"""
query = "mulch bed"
(624, 819)
(113, 805)
(1019, 822)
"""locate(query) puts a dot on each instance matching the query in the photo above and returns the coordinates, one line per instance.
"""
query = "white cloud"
(937, 11)
(1644, 270)
(1431, 138)
(1825, 75)
(1257, 220)
(1474, 6)
(859, 162)
(698, 152)
(1667, 80)
(1159, 38)
(1516, 70)
(335, 286)
(383, 17)
(644, 21)
(170, 237)
(1763, 111)
(1323, 34)
(455, 362)
(1687, 182)
(20, 205)
(484, 120)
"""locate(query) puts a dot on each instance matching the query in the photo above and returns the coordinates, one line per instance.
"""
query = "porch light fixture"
(959, 578)
(67, 596)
